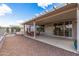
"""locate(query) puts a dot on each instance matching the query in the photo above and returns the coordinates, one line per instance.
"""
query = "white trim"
(34, 29)
(29, 36)
(63, 37)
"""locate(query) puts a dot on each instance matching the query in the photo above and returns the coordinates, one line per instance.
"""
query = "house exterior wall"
(49, 30)
(74, 29)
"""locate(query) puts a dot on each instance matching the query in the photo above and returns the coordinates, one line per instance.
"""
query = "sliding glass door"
(63, 29)
(58, 29)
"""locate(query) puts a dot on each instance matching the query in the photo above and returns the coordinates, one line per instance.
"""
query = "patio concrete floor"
(21, 46)
(67, 44)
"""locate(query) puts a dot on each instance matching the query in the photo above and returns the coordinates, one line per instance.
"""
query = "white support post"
(78, 29)
(24, 28)
(34, 29)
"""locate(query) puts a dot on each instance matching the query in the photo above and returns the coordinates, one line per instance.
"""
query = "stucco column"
(34, 24)
(74, 29)
(24, 28)
(78, 28)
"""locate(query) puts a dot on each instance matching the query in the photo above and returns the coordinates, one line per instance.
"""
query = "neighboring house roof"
(72, 6)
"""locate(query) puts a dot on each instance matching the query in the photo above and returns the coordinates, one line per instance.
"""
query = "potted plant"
(75, 44)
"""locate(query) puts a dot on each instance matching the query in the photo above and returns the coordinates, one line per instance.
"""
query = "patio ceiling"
(62, 14)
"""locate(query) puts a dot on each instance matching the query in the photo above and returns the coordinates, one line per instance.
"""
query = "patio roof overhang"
(67, 12)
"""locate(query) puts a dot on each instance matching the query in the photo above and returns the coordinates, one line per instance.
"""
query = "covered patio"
(66, 17)
(58, 42)
(63, 43)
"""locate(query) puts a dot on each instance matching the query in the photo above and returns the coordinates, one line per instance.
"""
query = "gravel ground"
(21, 46)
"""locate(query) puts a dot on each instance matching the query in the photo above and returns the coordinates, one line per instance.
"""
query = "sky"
(17, 13)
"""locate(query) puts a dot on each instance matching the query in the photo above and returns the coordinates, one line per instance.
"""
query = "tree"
(40, 28)
(7, 29)
(15, 29)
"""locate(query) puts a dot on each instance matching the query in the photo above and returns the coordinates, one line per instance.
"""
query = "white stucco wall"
(74, 29)
(49, 29)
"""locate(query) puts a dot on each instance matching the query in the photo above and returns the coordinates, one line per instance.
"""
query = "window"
(63, 29)
(68, 28)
